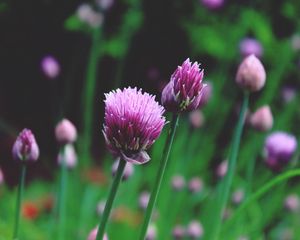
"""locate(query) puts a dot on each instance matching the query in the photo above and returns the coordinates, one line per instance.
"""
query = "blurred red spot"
(30, 210)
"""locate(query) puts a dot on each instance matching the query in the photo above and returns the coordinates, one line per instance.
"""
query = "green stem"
(223, 191)
(62, 196)
(249, 176)
(110, 200)
(159, 176)
(88, 97)
(19, 199)
(260, 192)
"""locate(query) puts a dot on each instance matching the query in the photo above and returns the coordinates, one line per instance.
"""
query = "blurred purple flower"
(250, 46)
(178, 182)
(206, 94)
(93, 235)
(133, 121)
(178, 232)
(1, 176)
(184, 91)
(195, 230)
(69, 156)
(88, 15)
(288, 93)
(195, 185)
(50, 67)
(238, 196)
(292, 203)
(279, 149)
(144, 199)
(65, 132)
(213, 4)
(105, 4)
(25, 147)
(196, 118)
(262, 119)
(151, 232)
(295, 42)
(222, 169)
(128, 171)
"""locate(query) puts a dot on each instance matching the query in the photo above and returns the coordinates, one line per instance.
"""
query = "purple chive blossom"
(206, 94)
(195, 230)
(184, 91)
(279, 149)
(178, 182)
(144, 199)
(212, 4)
(292, 202)
(250, 46)
(133, 121)
(25, 147)
(1, 177)
(178, 232)
(151, 232)
(50, 67)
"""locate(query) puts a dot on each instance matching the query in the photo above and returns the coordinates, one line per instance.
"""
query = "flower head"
(251, 74)
(50, 67)
(279, 149)
(65, 132)
(133, 121)
(25, 147)
(212, 4)
(184, 91)
(292, 202)
(195, 230)
(178, 232)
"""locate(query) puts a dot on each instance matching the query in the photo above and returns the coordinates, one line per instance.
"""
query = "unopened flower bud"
(144, 199)
(25, 147)
(50, 67)
(251, 74)
(250, 46)
(178, 182)
(195, 230)
(195, 185)
(196, 118)
(128, 171)
(151, 232)
(65, 132)
(93, 235)
(238, 196)
(184, 91)
(291, 202)
(262, 119)
(279, 149)
(69, 156)
(222, 169)
(178, 232)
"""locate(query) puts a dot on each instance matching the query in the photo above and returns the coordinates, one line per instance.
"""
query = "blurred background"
(139, 43)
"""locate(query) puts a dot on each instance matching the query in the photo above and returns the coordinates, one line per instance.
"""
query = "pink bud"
(238, 196)
(69, 156)
(178, 182)
(144, 199)
(178, 232)
(25, 147)
(195, 185)
(196, 118)
(222, 169)
(291, 202)
(65, 132)
(251, 74)
(212, 4)
(93, 235)
(195, 230)
(262, 119)
(151, 232)
(50, 67)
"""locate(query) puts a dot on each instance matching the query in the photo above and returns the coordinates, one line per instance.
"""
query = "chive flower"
(133, 121)
(184, 91)
(65, 132)
(25, 147)
(279, 149)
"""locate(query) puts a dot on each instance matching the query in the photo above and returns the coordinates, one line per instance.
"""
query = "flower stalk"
(62, 195)
(19, 200)
(110, 200)
(159, 175)
(224, 188)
